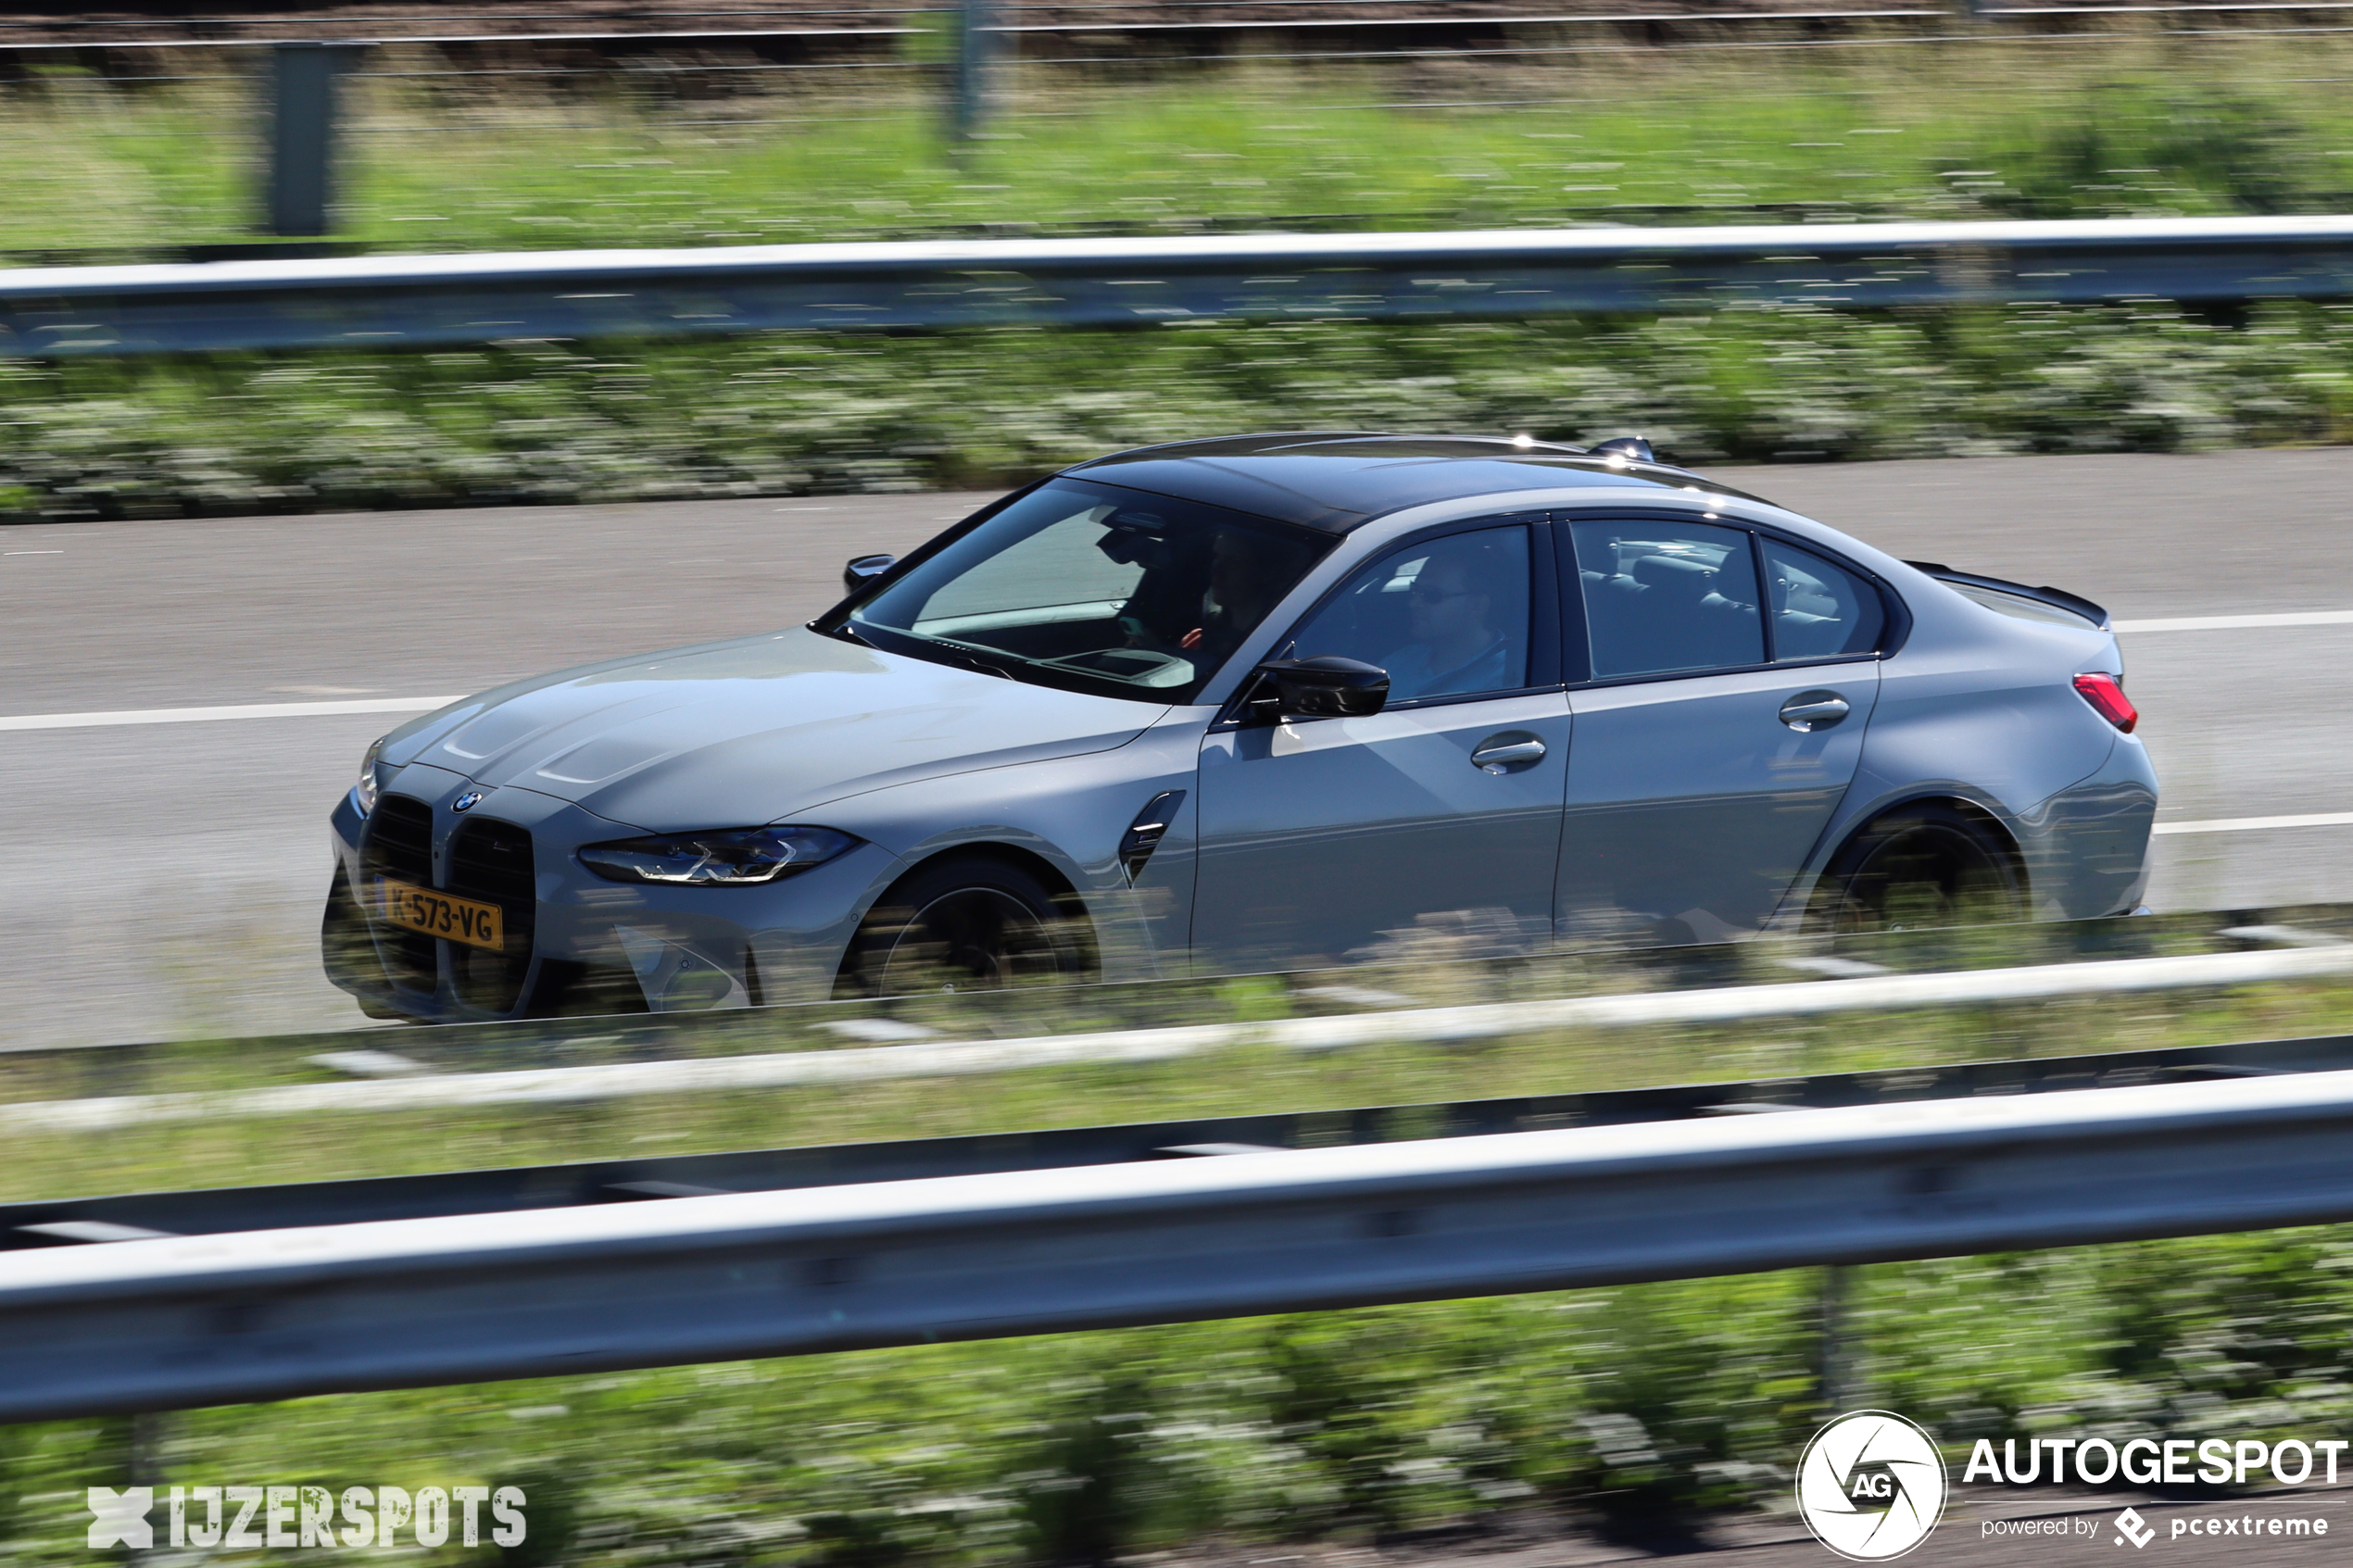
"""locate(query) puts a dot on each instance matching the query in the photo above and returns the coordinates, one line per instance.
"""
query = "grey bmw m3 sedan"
(1261, 702)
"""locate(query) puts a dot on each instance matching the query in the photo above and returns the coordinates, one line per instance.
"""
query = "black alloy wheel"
(1919, 868)
(969, 925)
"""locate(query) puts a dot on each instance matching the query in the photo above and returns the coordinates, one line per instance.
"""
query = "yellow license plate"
(469, 921)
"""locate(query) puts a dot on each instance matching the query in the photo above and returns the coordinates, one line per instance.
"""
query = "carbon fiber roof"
(1336, 480)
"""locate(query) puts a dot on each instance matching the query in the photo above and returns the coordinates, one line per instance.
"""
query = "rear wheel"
(967, 923)
(1918, 867)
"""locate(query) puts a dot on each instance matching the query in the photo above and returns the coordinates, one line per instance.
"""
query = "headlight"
(728, 857)
(363, 792)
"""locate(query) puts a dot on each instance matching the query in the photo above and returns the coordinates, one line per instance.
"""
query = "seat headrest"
(1685, 579)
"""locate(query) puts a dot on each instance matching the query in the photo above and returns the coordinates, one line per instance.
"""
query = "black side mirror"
(864, 570)
(1326, 686)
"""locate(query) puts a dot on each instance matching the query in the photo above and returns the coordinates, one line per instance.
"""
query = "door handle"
(1502, 753)
(1808, 711)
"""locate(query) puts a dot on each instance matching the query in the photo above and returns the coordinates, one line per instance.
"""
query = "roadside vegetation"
(791, 414)
(223, 1147)
(1637, 1411)
(694, 152)
(2117, 126)
(1640, 1412)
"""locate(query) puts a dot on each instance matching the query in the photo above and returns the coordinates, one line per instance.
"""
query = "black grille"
(491, 861)
(397, 843)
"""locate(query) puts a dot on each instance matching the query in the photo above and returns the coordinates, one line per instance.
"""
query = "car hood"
(752, 731)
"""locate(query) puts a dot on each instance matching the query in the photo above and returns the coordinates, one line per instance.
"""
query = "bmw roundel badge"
(469, 800)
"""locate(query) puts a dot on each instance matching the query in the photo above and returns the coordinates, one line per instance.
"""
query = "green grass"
(2121, 124)
(223, 1149)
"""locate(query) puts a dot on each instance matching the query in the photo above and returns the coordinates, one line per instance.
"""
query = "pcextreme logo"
(1870, 1486)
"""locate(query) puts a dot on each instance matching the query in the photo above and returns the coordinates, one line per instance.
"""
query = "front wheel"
(1918, 867)
(966, 925)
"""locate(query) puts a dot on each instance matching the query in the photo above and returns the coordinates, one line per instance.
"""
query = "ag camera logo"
(1870, 1486)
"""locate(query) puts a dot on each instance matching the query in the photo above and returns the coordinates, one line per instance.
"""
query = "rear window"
(1820, 610)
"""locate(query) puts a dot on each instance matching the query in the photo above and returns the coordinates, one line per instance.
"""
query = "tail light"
(2106, 694)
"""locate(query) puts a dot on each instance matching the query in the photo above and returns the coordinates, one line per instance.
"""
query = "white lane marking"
(936, 1059)
(2258, 824)
(244, 711)
(2240, 622)
(36, 552)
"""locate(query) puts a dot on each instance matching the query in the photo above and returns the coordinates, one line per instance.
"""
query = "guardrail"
(138, 1216)
(945, 1059)
(388, 302)
(165, 1324)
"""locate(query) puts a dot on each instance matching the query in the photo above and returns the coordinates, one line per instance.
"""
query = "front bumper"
(577, 943)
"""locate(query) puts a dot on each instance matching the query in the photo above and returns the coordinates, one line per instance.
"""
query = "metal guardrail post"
(977, 44)
(1837, 1386)
(302, 135)
(145, 1433)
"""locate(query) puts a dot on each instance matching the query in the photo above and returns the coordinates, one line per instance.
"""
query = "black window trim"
(1894, 631)
(1547, 637)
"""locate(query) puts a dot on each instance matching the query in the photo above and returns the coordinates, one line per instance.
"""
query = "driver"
(1205, 619)
(1242, 590)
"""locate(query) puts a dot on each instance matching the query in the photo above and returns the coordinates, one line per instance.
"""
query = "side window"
(1820, 610)
(1447, 616)
(1668, 598)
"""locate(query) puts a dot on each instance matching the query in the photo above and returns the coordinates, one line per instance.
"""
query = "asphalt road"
(162, 879)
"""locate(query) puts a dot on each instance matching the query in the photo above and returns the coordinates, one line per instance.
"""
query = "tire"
(966, 923)
(1917, 868)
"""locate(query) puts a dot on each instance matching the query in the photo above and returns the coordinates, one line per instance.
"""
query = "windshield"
(1095, 588)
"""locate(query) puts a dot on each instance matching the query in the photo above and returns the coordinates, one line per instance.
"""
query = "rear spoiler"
(2048, 594)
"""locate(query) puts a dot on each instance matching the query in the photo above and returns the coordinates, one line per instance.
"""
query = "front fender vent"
(1143, 834)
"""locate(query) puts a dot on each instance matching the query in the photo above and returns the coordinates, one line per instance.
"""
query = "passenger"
(1457, 646)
